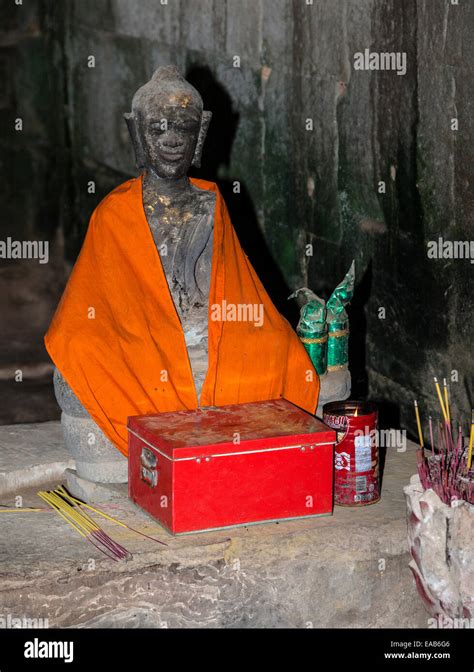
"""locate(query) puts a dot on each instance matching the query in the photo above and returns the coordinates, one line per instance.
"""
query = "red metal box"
(231, 465)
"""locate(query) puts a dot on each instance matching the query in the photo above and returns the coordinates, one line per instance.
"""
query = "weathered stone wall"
(34, 196)
(443, 337)
(300, 186)
(321, 187)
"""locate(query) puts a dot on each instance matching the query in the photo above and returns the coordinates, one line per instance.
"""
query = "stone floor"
(346, 570)
(31, 454)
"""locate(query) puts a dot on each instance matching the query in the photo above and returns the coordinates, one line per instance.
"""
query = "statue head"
(167, 124)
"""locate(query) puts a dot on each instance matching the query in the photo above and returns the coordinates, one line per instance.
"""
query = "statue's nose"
(172, 140)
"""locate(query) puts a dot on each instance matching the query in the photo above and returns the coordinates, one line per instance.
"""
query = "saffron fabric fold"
(117, 339)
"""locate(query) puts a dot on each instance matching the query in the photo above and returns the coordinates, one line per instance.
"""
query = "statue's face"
(169, 127)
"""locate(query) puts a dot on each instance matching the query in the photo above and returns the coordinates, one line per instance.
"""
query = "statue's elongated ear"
(205, 121)
(132, 124)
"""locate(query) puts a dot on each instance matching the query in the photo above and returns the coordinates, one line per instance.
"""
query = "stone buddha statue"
(134, 332)
(168, 127)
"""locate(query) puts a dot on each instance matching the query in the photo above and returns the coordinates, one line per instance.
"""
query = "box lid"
(233, 429)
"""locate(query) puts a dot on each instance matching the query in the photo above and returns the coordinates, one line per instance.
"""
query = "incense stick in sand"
(471, 442)
(445, 416)
(418, 424)
(445, 474)
(446, 400)
(431, 435)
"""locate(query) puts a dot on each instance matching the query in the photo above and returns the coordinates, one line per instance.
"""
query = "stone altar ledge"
(346, 570)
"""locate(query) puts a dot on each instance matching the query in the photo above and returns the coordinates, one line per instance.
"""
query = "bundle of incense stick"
(71, 510)
(447, 468)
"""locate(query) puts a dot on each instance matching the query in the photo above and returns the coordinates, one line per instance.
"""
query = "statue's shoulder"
(125, 193)
(205, 185)
(118, 204)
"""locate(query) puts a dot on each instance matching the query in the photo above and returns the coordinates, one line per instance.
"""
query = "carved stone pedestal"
(93, 491)
(97, 459)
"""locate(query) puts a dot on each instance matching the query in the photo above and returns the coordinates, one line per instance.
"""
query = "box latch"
(149, 467)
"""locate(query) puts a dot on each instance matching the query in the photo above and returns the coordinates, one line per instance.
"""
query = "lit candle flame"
(356, 412)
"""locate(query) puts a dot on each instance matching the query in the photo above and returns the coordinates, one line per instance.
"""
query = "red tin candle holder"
(356, 457)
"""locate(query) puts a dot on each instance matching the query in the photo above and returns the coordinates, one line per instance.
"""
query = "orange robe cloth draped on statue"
(117, 339)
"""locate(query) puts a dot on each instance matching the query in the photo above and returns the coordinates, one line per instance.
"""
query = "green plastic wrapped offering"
(312, 328)
(338, 322)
